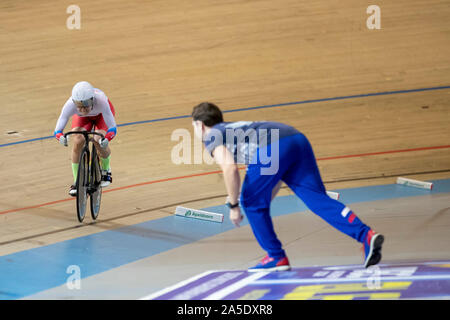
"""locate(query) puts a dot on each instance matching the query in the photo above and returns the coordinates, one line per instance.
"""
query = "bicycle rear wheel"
(95, 184)
(82, 185)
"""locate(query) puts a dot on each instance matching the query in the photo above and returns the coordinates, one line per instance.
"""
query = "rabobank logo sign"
(199, 214)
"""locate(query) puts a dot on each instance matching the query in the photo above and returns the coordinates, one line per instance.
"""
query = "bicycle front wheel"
(82, 185)
(96, 188)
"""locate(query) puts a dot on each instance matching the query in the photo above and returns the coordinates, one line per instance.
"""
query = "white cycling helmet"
(83, 94)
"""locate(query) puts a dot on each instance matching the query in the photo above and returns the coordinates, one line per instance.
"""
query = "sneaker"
(372, 248)
(270, 264)
(106, 178)
(73, 190)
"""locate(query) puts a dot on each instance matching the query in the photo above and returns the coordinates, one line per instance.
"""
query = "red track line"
(37, 206)
(219, 171)
(162, 180)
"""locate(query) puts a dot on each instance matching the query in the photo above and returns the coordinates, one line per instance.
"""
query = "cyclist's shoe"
(73, 190)
(106, 178)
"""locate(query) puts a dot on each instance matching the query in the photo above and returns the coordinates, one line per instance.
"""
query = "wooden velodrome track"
(158, 59)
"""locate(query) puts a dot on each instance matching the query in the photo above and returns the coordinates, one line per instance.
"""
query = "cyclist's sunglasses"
(85, 103)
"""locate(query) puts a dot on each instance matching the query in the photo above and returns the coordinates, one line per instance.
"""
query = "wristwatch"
(231, 206)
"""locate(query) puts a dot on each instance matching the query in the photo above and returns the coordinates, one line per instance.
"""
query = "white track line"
(318, 281)
(176, 286)
(235, 286)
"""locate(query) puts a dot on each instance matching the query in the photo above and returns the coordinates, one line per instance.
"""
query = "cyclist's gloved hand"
(104, 143)
(108, 137)
(61, 138)
(63, 141)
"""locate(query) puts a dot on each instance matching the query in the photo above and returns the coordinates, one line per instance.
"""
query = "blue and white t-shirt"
(243, 138)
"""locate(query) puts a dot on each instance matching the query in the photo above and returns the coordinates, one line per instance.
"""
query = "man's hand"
(235, 216)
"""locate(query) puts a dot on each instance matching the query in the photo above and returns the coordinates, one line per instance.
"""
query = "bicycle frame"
(89, 176)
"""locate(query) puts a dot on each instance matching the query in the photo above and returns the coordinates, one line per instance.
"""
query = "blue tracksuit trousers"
(295, 165)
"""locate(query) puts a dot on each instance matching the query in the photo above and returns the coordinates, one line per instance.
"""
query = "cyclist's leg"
(78, 141)
(101, 127)
(104, 153)
(78, 144)
(78, 124)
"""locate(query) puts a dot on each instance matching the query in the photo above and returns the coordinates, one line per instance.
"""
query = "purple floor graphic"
(423, 280)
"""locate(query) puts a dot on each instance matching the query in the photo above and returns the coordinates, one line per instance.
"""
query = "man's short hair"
(208, 113)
